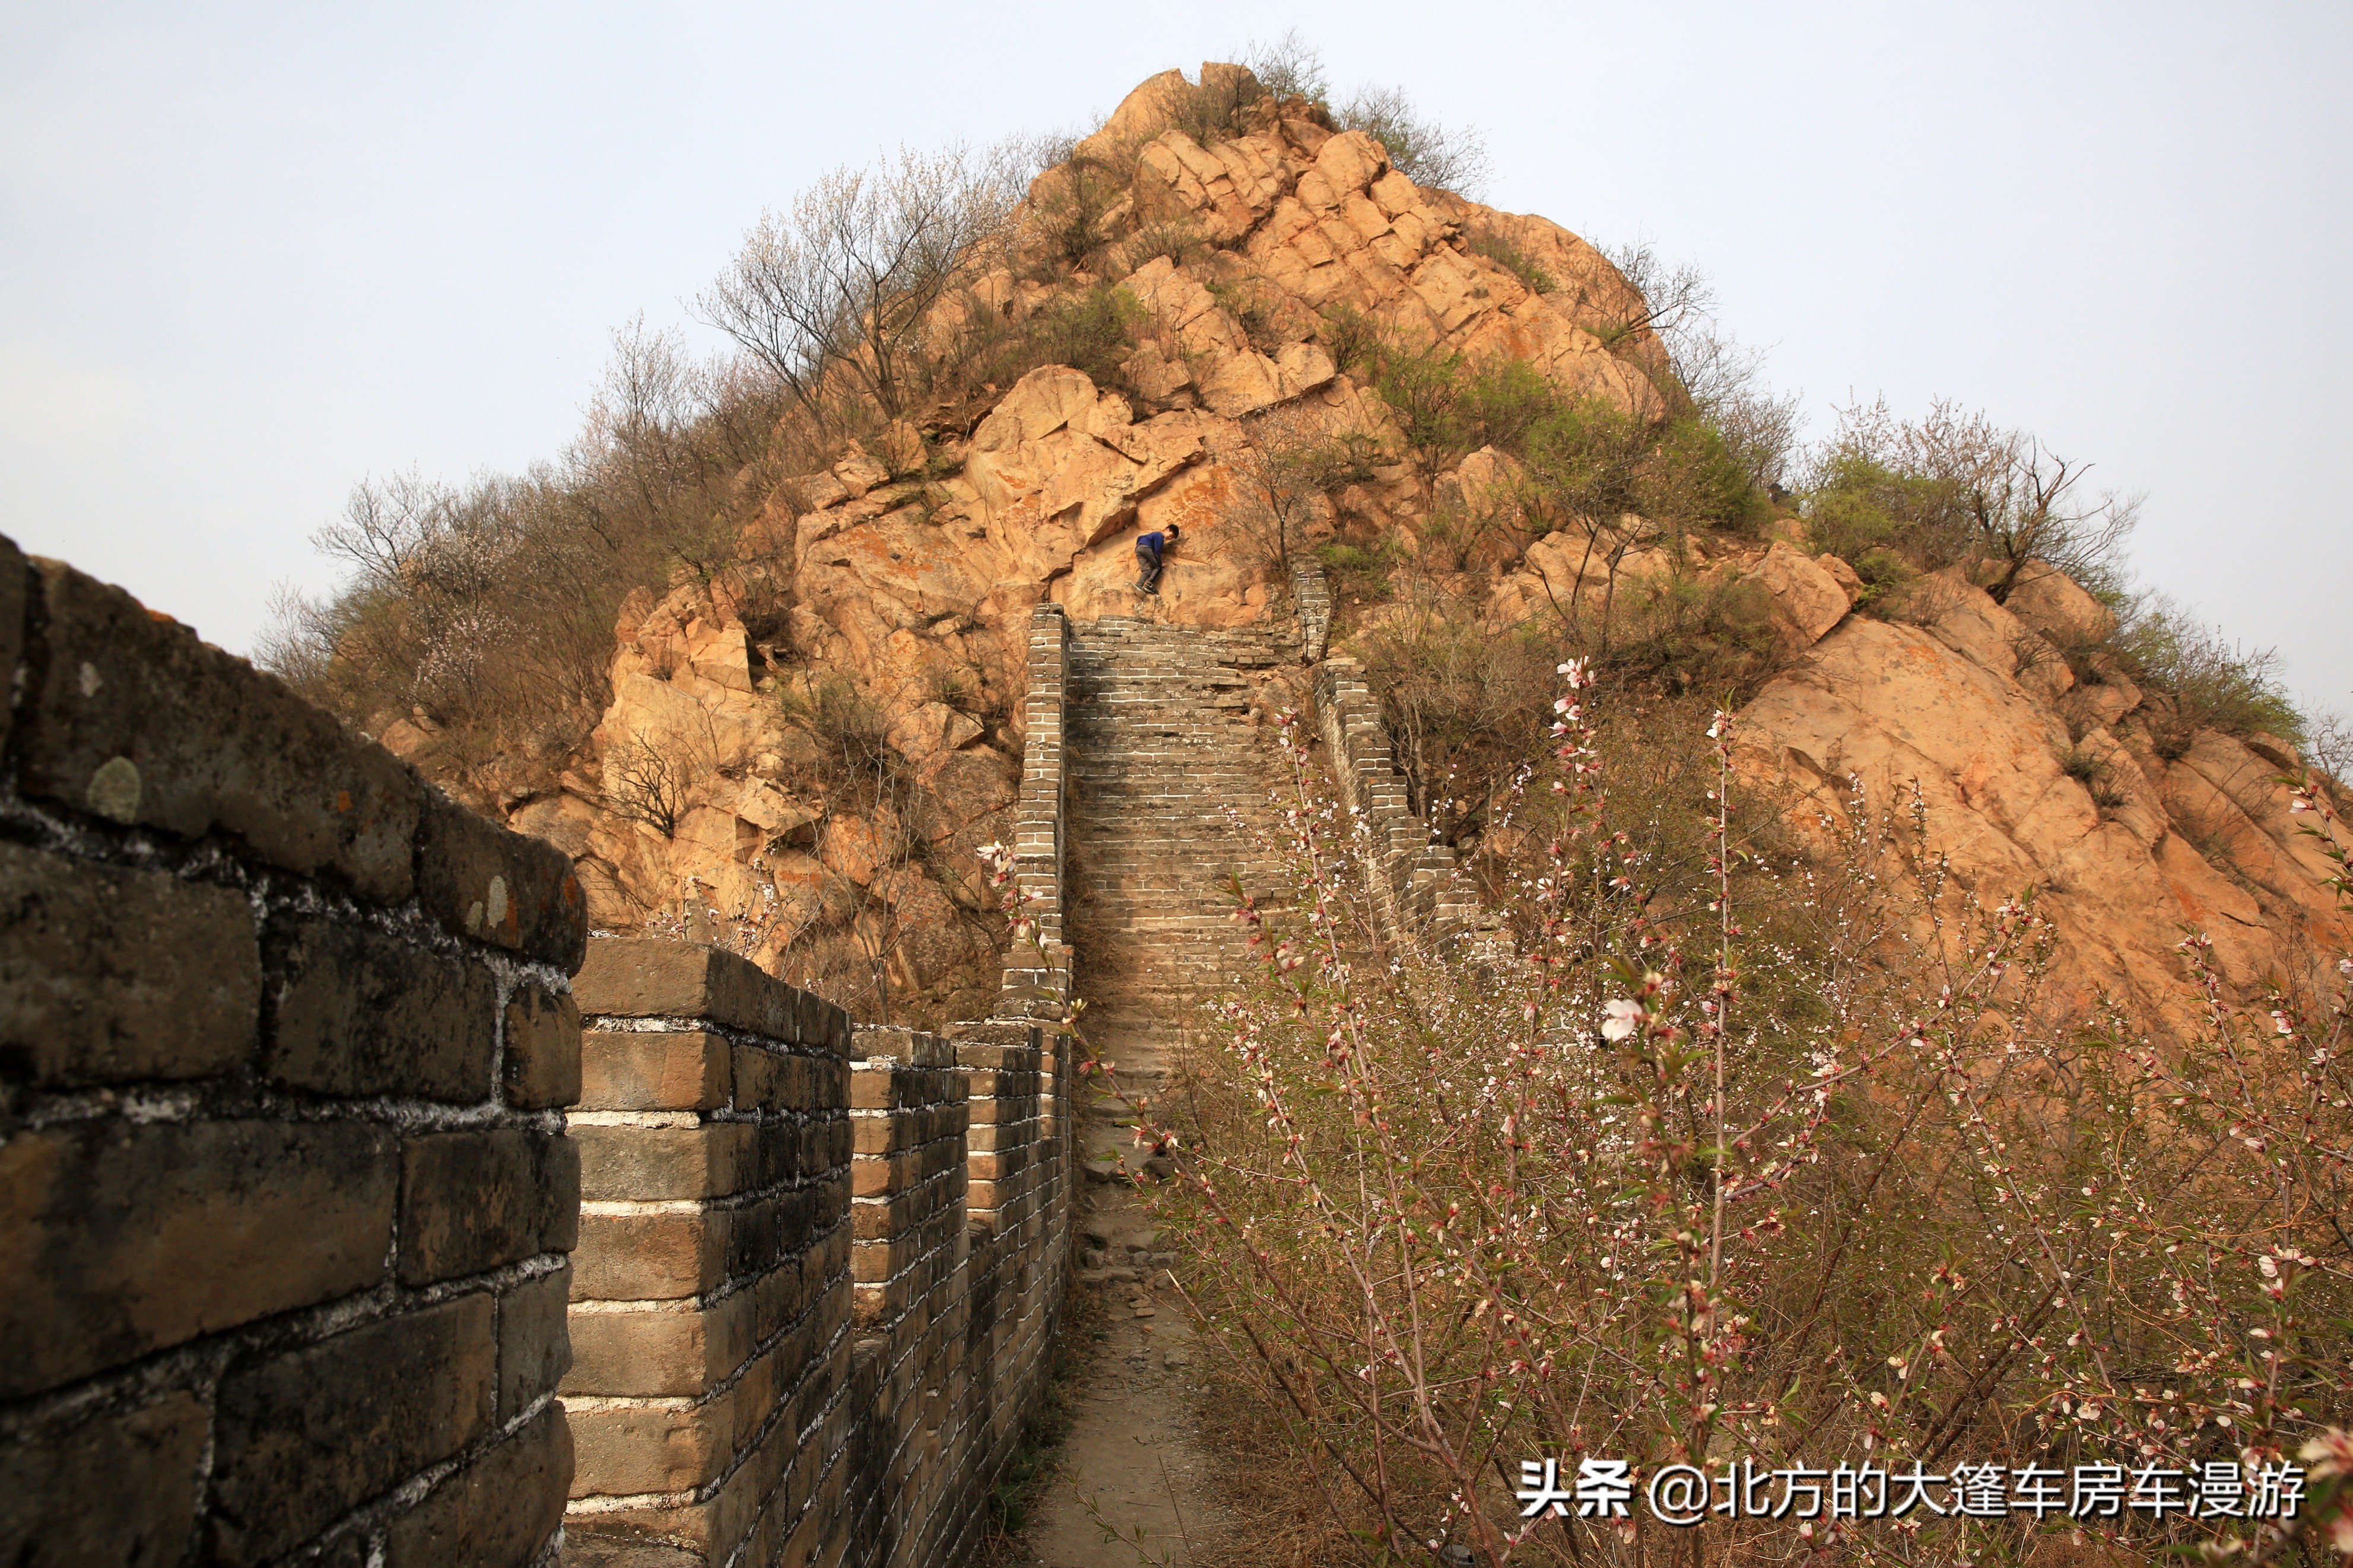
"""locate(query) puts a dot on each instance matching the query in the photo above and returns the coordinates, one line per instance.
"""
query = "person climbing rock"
(1149, 548)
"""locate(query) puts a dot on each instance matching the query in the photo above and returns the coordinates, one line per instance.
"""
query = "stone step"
(1176, 786)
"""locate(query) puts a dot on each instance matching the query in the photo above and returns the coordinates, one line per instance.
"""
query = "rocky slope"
(908, 568)
(2035, 779)
(911, 571)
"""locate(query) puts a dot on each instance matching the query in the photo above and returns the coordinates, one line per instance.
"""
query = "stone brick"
(1000, 1056)
(541, 1065)
(814, 1083)
(113, 975)
(793, 1148)
(497, 1513)
(116, 1488)
(473, 1200)
(672, 1069)
(632, 1448)
(651, 1257)
(650, 1164)
(756, 1235)
(535, 1350)
(643, 977)
(662, 1353)
(304, 1437)
(479, 879)
(136, 720)
(884, 1087)
(119, 1239)
(873, 1219)
(905, 1046)
(356, 1012)
(760, 1078)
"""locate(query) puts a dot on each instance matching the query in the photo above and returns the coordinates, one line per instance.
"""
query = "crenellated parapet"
(286, 1196)
(821, 1267)
(1414, 885)
(1036, 982)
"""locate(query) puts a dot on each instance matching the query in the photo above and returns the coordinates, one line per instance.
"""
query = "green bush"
(1513, 261)
(1424, 390)
(1448, 406)
(1352, 338)
(1953, 488)
(1503, 401)
(851, 735)
(1593, 459)
(2207, 682)
(1358, 572)
(1072, 205)
(1859, 505)
(1093, 331)
(1179, 239)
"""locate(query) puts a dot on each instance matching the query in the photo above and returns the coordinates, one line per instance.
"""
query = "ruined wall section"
(1038, 966)
(1414, 888)
(812, 1314)
(285, 1195)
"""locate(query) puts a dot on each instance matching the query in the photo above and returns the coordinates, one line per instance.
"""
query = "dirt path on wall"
(1133, 1462)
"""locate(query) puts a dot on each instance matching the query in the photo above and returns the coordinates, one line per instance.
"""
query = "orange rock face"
(695, 806)
(907, 573)
(2125, 850)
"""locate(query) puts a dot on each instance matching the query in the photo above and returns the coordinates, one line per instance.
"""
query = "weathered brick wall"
(1415, 890)
(1037, 968)
(893, 1269)
(1022, 1161)
(1310, 599)
(712, 1300)
(908, 1180)
(285, 1197)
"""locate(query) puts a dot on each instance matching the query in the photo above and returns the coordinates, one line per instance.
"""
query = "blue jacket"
(1151, 543)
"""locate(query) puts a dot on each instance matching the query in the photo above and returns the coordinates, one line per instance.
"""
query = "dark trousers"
(1147, 562)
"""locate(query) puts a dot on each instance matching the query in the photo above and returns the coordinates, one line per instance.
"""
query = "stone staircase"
(1164, 753)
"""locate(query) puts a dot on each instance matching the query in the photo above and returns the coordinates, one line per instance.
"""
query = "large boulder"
(1806, 600)
(2053, 604)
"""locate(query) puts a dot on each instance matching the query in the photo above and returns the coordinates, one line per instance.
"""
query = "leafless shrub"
(1713, 373)
(1289, 66)
(1216, 109)
(1428, 152)
(1960, 488)
(648, 783)
(490, 605)
(1285, 472)
(847, 278)
(298, 640)
(2205, 680)
(1179, 239)
(1749, 1159)
(1070, 209)
(2329, 744)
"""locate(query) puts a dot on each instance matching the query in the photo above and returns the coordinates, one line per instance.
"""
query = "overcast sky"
(251, 254)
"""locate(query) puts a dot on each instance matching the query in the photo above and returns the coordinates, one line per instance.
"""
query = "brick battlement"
(285, 1193)
(819, 1271)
